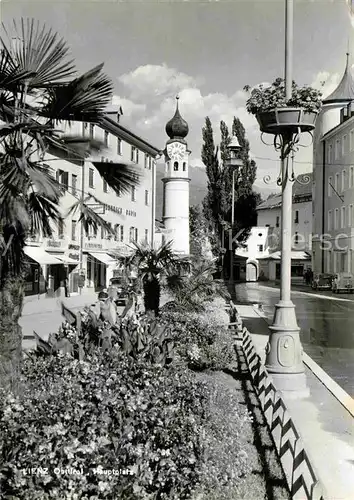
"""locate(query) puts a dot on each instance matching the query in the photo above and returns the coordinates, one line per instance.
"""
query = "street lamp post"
(284, 350)
(235, 162)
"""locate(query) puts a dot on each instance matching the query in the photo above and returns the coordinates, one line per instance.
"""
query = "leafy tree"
(38, 93)
(198, 230)
(218, 201)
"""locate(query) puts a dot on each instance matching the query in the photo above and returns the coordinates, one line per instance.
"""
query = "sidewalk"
(44, 315)
(326, 426)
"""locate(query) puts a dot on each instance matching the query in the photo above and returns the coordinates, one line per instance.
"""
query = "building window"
(73, 230)
(296, 220)
(337, 150)
(336, 217)
(64, 179)
(133, 193)
(150, 160)
(131, 234)
(259, 248)
(105, 186)
(336, 182)
(145, 160)
(137, 156)
(132, 154)
(116, 232)
(342, 217)
(175, 166)
(330, 153)
(146, 236)
(351, 177)
(344, 180)
(330, 183)
(92, 130)
(344, 144)
(106, 135)
(60, 229)
(350, 215)
(296, 238)
(136, 235)
(184, 166)
(121, 233)
(73, 184)
(84, 128)
(277, 221)
(329, 221)
(119, 146)
(91, 173)
(146, 197)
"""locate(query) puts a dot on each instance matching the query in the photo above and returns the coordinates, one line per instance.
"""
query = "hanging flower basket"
(277, 114)
(286, 120)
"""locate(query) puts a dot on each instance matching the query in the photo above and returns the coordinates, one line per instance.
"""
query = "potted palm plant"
(278, 115)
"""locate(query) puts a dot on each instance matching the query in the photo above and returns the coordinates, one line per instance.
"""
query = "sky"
(204, 51)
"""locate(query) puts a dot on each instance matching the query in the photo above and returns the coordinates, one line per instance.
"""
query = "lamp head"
(234, 148)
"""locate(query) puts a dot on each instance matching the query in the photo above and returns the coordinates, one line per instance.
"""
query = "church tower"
(176, 185)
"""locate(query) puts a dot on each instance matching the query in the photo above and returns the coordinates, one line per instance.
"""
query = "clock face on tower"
(176, 150)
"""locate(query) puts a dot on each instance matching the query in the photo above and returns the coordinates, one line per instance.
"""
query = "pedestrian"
(66, 287)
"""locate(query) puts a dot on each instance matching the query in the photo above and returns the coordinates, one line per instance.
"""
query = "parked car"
(116, 291)
(322, 281)
(343, 282)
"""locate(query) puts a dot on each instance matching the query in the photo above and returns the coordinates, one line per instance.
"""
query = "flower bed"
(118, 416)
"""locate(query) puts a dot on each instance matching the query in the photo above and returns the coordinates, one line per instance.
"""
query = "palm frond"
(38, 54)
(10, 75)
(42, 212)
(119, 176)
(83, 99)
(89, 217)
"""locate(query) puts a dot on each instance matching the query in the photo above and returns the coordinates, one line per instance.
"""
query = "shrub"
(202, 340)
(225, 460)
(109, 412)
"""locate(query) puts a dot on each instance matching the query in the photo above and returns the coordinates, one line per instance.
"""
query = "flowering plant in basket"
(266, 98)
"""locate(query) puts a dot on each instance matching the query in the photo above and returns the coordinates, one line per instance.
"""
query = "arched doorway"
(251, 271)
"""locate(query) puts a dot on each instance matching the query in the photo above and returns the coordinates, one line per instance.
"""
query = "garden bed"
(166, 427)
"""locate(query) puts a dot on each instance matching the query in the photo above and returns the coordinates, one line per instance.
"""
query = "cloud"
(129, 107)
(149, 102)
(156, 81)
(326, 82)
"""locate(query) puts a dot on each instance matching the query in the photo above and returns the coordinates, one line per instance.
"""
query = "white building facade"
(333, 213)
(131, 214)
(261, 252)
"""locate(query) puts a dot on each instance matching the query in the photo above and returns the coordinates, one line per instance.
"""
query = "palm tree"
(38, 93)
(191, 291)
(152, 265)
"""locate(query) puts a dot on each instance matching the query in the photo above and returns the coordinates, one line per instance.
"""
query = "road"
(326, 322)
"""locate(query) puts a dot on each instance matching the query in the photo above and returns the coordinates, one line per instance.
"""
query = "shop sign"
(93, 246)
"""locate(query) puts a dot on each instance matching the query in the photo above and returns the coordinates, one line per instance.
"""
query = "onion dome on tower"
(177, 127)
(345, 90)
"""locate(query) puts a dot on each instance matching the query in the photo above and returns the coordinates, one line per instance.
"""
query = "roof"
(345, 90)
(301, 188)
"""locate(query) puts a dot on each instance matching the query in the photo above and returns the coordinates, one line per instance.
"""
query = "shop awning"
(67, 260)
(103, 257)
(41, 256)
(295, 255)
